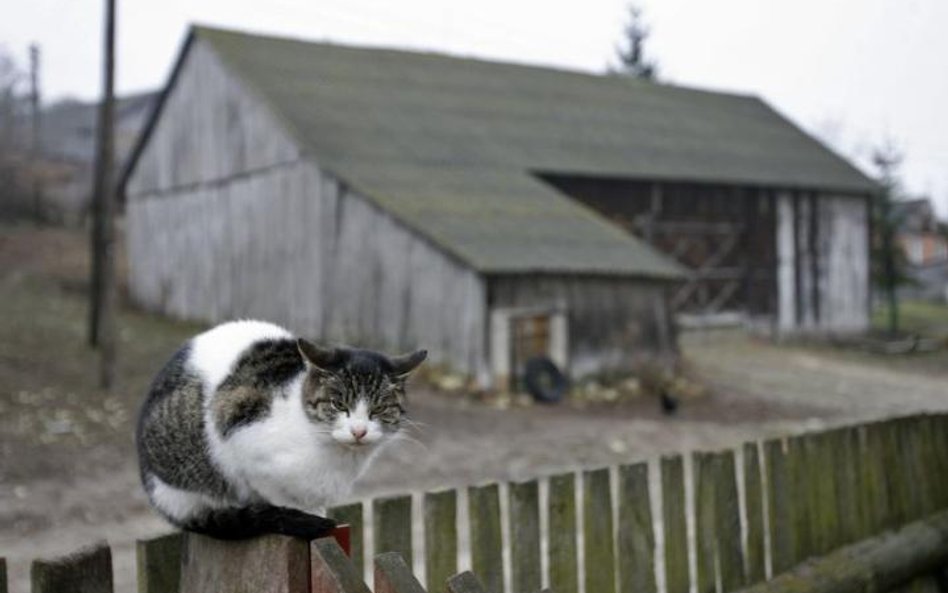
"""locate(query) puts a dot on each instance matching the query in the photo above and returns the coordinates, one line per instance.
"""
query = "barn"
(487, 211)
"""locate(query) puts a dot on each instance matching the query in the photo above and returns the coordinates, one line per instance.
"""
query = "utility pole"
(36, 147)
(103, 297)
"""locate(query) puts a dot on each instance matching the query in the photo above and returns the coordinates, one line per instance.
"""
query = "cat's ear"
(406, 363)
(324, 359)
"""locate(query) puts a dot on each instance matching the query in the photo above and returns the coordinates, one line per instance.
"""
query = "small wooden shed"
(396, 199)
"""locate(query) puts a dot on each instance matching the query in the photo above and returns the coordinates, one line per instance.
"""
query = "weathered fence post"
(351, 515)
(727, 522)
(597, 530)
(465, 582)
(441, 537)
(393, 526)
(677, 574)
(486, 543)
(392, 575)
(881, 564)
(754, 516)
(3, 575)
(87, 571)
(778, 507)
(562, 552)
(330, 570)
(705, 532)
(525, 536)
(636, 546)
(158, 562)
(273, 563)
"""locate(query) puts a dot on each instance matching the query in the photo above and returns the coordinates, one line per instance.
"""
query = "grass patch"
(921, 317)
(51, 408)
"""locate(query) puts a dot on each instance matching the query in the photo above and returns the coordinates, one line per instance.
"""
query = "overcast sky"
(853, 72)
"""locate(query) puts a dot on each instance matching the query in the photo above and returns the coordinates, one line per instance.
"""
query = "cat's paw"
(302, 525)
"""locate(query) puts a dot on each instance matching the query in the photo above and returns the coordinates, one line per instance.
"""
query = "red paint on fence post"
(343, 537)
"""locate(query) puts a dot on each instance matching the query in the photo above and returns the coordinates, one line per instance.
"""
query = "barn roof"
(452, 146)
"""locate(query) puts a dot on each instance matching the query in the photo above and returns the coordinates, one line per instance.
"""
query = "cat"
(249, 430)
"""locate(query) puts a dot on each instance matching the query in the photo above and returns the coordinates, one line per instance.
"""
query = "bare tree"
(631, 52)
(103, 297)
(13, 169)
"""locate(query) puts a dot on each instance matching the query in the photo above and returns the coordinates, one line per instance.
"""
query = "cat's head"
(357, 396)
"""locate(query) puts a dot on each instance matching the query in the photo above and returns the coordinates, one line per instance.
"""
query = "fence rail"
(722, 521)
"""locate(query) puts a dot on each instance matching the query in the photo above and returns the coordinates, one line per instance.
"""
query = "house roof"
(451, 146)
(68, 128)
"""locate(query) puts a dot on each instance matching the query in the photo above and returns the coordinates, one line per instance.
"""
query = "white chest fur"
(287, 460)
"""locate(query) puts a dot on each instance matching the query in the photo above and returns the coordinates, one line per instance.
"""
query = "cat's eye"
(385, 410)
(339, 406)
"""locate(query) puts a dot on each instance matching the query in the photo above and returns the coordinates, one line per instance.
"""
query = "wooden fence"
(740, 518)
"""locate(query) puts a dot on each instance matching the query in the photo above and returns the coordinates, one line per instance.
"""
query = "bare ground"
(67, 470)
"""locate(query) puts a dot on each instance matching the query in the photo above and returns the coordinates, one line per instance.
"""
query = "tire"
(544, 381)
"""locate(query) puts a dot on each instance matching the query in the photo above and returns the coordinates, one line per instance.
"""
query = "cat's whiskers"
(402, 436)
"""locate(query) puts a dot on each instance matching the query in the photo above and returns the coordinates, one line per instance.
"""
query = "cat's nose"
(358, 431)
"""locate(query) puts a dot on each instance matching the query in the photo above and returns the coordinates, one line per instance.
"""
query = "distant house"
(68, 141)
(487, 211)
(924, 241)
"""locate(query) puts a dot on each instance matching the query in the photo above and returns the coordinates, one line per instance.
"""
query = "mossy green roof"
(451, 146)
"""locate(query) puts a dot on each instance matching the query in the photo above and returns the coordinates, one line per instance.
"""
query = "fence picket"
(393, 526)
(897, 474)
(826, 526)
(88, 571)
(330, 570)
(486, 544)
(525, 536)
(877, 493)
(465, 582)
(801, 503)
(274, 563)
(827, 494)
(704, 500)
(778, 507)
(441, 538)
(392, 575)
(677, 576)
(158, 563)
(727, 521)
(351, 514)
(754, 514)
(597, 532)
(927, 465)
(636, 546)
(562, 550)
(842, 468)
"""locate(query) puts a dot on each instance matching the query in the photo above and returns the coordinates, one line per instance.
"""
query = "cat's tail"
(259, 519)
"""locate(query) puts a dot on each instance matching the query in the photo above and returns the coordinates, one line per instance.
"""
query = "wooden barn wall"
(227, 232)
(211, 129)
(722, 234)
(822, 242)
(612, 322)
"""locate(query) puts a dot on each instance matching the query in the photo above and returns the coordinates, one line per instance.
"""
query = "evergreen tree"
(631, 52)
(888, 259)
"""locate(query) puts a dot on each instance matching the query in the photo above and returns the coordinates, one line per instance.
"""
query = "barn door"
(531, 337)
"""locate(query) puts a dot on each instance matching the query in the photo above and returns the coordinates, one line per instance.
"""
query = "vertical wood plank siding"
(822, 246)
(226, 220)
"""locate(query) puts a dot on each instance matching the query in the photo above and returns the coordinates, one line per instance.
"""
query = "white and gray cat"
(248, 430)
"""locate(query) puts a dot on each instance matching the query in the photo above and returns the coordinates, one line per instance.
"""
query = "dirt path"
(845, 385)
